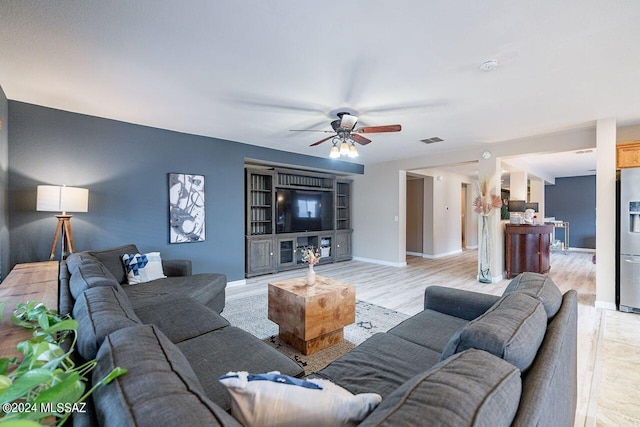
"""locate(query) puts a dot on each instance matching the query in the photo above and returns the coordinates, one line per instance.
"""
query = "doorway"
(415, 216)
(463, 215)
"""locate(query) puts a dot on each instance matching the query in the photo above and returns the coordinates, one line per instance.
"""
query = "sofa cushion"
(512, 329)
(112, 260)
(90, 275)
(79, 258)
(181, 319)
(159, 388)
(540, 287)
(429, 328)
(142, 268)
(472, 388)
(100, 311)
(231, 349)
(201, 287)
(379, 365)
(273, 399)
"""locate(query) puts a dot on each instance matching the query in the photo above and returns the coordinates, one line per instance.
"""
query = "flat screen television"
(303, 210)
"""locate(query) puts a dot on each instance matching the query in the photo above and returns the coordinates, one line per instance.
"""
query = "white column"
(490, 169)
(537, 194)
(606, 213)
(518, 186)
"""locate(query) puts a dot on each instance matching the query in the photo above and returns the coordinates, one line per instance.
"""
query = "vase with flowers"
(311, 256)
(484, 204)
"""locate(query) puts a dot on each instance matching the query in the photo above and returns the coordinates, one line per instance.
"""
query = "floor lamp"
(55, 198)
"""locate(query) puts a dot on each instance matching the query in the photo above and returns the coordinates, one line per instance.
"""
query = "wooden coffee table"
(311, 318)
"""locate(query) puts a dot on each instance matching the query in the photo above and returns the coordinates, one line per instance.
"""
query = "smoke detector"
(489, 65)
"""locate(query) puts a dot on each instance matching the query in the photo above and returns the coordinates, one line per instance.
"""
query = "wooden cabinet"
(343, 205)
(260, 256)
(343, 246)
(268, 249)
(628, 154)
(527, 248)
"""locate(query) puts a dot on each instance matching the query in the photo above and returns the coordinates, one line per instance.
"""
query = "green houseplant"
(46, 386)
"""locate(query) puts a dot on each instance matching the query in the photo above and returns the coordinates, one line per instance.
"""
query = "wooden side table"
(311, 318)
(35, 281)
(527, 248)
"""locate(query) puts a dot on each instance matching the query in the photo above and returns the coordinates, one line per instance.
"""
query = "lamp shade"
(55, 198)
(532, 205)
(517, 205)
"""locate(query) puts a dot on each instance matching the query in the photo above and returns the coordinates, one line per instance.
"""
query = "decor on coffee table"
(186, 208)
(311, 256)
(484, 205)
(311, 318)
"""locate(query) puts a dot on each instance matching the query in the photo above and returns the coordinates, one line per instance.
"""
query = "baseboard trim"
(572, 249)
(459, 251)
(380, 262)
(471, 247)
(415, 253)
(606, 305)
(494, 279)
(236, 283)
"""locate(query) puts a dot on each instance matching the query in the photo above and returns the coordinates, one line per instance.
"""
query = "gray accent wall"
(126, 167)
(4, 186)
(573, 199)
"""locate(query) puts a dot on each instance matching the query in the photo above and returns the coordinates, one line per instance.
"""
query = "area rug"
(250, 314)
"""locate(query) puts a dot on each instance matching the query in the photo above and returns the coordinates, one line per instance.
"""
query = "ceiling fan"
(345, 134)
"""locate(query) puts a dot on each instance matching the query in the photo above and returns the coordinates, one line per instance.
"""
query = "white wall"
(377, 193)
(605, 202)
(376, 196)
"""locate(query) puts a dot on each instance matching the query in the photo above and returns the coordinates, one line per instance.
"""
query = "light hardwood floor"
(608, 349)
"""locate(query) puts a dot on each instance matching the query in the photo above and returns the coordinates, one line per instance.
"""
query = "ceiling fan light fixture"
(344, 148)
(334, 153)
(353, 151)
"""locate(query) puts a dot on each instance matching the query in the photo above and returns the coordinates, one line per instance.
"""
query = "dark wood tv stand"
(268, 251)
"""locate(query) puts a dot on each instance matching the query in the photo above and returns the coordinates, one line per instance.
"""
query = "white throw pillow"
(143, 268)
(280, 400)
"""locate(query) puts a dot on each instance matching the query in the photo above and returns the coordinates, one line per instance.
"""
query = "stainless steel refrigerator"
(629, 268)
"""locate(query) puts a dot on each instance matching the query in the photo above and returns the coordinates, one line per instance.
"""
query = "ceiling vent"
(432, 140)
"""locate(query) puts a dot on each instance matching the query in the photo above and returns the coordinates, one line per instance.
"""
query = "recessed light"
(489, 65)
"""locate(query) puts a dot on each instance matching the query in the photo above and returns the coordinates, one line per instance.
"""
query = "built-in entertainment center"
(288, 210)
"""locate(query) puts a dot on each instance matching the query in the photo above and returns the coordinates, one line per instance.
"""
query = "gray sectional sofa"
(468, 359)
(167, 333)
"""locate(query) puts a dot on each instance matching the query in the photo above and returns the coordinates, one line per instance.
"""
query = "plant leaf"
(25, 383)
(65, 325)
(5, 383)
(117, 371)
(19, 423)
(67, 391)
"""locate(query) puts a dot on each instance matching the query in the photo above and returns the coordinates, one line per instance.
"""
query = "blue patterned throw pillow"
(143, 268)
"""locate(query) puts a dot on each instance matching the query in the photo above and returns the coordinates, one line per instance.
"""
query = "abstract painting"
(186, 208)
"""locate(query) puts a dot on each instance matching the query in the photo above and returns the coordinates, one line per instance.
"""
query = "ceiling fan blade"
(310, 130)
(360, 139)
(379, 129)
(322, 140)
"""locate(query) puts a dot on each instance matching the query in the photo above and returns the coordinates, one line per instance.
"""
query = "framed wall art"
(186, 208)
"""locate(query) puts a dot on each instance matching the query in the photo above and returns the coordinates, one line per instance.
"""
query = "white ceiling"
(250, 70)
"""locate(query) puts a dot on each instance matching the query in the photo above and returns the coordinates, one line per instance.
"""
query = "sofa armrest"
(176, 267)
(457, 302)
